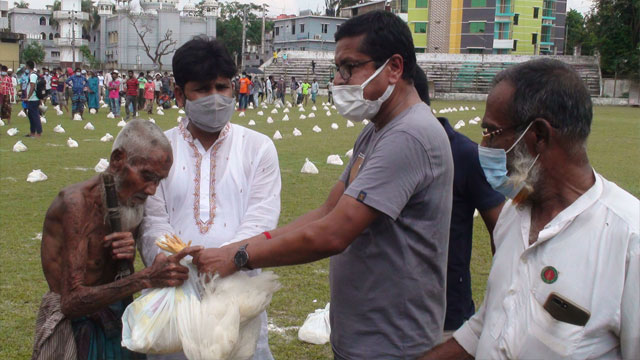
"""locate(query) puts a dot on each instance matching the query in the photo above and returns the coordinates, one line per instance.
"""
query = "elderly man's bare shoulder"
(75, 197)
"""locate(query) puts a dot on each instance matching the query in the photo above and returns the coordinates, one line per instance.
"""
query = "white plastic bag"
(1, 122)
(101, 166)
(334, 126)
(314, 108)
(151, 120)
(296, 132)
(106, 138)
(22, 114)
(260, 113)
(365, 122)
(36, 175)
(277, 135)
(241, 114)
(303, 116)
(59, 112)
(349, 123)
(285, 118)
(349, 154)
(19, 147)
(286, 110)
(122, 123)
(89, 126)
(274, 111)
(316, 328)
(334, 160)
(160, 112)
(12, 131)
(269, 120)
(110, 115)
(72, 143)
(92, 111)
(251, 122)
(317, 129)
(328, 113)
(181, 112)
(308, 167)
(77, 117)
(43, 120)
(58, 129)
(311, 115)
(174, 106)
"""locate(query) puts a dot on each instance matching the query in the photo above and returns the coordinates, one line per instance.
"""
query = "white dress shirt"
(594, 245)
(227, 193)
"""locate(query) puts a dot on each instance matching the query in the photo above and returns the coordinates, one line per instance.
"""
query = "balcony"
(68, 15)
(503, 43)
(67, 42)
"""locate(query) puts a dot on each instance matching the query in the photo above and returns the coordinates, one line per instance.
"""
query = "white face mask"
(350, 101)
(210, 113)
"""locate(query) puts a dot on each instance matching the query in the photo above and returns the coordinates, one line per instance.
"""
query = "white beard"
(131, 216)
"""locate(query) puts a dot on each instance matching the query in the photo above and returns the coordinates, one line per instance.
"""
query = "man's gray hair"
(139, 137)
(552, 90)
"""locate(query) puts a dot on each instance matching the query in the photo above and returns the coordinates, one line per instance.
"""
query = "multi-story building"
(519, 27)
(9, 41)
(363, 8)
(35, 26)
(309, 32)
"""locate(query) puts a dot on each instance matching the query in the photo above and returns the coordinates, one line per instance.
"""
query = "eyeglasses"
(346, 69)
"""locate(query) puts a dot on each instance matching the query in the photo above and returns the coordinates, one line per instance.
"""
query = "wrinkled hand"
(166, 271)
(216, 260)
(122, 244)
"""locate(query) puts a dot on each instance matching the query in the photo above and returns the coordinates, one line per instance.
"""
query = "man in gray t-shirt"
(386, 221)
(388, 286)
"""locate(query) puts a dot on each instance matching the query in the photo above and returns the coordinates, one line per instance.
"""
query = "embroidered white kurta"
(594, 246)
(226, 193)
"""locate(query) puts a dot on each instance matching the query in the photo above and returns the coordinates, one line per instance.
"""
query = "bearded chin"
(131, 214)
(523, 169)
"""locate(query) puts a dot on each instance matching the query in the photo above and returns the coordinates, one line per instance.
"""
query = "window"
(56, 36)
(515, 45)
(474, 51)
(337, 27)
(301, 28)
(43, 36)
(536, 11)
(277, 30)
(515, 19)
(476, 27)
(501, 31)
(420, 50)
(43, 21)
(293, 28)
(50, 36)
(404, 6)
(534, 39)
(422, 4)
(420, 28)
(55, 54)
(325, 28)
(478, 3)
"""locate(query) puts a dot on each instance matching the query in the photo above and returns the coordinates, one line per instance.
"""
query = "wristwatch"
(242, 258)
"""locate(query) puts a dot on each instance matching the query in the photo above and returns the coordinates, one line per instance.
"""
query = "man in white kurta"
(214, 196)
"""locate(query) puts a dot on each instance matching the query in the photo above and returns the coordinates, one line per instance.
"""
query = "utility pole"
(73, 36)
(264, 14)
(244, 36)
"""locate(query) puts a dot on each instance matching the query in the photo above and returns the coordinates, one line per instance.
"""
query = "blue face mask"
(494, 165)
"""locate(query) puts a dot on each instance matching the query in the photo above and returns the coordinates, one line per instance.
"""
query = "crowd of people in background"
(36, 87)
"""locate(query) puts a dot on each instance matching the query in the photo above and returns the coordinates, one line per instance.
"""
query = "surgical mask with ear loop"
(350, 101)
(210, 113)
(494, 165)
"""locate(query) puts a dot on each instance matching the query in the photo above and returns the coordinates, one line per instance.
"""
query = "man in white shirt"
(101, 85)
(565, 276)
(224, 185)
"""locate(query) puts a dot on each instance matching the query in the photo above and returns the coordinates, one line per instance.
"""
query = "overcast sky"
(293, 6)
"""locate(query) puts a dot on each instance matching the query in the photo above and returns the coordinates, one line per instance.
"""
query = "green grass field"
(613, 149)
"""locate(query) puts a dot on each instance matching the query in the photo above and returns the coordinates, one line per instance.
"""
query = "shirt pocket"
(546, 337)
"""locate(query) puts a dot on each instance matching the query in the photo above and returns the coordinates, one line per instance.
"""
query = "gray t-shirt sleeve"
(395, 170)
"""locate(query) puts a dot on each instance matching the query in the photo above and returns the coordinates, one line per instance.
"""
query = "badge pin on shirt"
(549, 274)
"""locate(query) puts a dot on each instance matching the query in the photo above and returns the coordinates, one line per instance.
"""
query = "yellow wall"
(10, 54)
(455, 31)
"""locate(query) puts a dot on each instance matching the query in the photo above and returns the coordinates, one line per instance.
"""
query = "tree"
(615, 30)
(86, 53)
(32, 51)
(21, 5)
(575, 30)
(165, 46)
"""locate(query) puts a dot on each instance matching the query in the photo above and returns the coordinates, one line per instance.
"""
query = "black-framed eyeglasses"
(491, 134)
(346, 68)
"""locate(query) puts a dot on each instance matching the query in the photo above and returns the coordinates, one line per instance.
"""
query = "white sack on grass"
(19, 147)
(43, 119)
(461, 108)
(365, 122)
(334, 126)
(302, 117)
(252, 123)
(174, 106)
(316, 328)
(328, 113)
(36, 175)
(77, 117)
(104, 106)
(350, 123)
(278, 106)
(473, 108)
(110, 115)
(325, 108)
(317, 129)
(301, 109)
(297, 132)
(288, 103)
(72, 143)
(285, 110)
(313, 108)
(250, 107)
(277, 135)
(285, 118)
(58, 129)
(101, 166)
(1, 122)
(89, 126)
(459, 124)
(349, 154)
(308, 167)
(22, 114)
(274, 111)
(152, 120)
(334, 160)
(101, 102)
(122, 123)
(12, 131)
(269, 120)
(106, 138)
(181, 112)
(160, 112)
(57, 107)
(92, 111)
(311, 115)
(241, 114)
(433, 111)
(473, 122)
(264, 106)
(179, 119)
(466, 108)
(260, 113)
(333, 107)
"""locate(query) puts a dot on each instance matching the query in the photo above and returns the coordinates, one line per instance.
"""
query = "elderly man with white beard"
(79, 317)
(564, 279)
